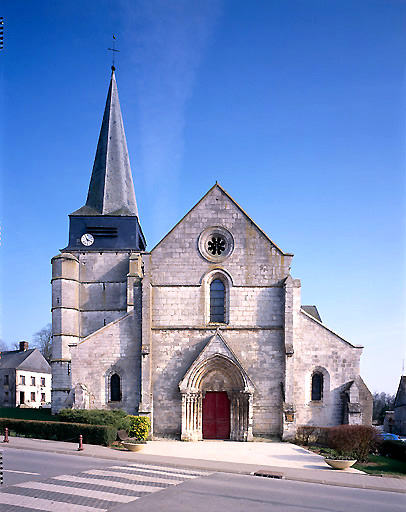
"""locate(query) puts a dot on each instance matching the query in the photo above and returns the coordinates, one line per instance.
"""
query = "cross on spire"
(113, 50)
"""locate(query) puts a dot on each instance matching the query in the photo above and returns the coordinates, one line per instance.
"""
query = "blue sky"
(296, 107)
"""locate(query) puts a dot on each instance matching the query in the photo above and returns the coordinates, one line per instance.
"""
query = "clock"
(87, 239)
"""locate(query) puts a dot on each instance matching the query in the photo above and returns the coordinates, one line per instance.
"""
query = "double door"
(216, 415)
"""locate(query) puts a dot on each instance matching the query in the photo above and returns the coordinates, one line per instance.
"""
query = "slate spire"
(111, 189)
(109, 219)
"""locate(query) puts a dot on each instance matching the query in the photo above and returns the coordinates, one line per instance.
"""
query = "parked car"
(46, 405)
(387, 436)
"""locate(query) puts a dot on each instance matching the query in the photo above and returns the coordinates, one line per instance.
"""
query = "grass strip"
(379, 465)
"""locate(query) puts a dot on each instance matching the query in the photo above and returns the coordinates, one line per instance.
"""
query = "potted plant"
(137, 433)
(342, 461)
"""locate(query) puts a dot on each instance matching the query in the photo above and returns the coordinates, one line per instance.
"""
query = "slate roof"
(312, 310)
(400, 399)
(111, 189)
(30, 360)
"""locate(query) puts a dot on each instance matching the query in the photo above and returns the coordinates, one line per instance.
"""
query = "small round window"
(216, 243)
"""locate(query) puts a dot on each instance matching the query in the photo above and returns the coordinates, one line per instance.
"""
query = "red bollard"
(6, 435)
(80, 449)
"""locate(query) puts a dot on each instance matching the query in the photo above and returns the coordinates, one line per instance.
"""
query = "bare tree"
(3, 346)
(382, 402)
(42, 340)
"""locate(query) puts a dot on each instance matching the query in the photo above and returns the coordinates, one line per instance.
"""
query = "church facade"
(205, 333)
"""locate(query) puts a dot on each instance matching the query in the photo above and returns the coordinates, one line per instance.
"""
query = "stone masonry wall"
(254, 261)
(183, 306)
(103, 288)
(318, 348)
(259, 351)
(179, 303)
(112, 349)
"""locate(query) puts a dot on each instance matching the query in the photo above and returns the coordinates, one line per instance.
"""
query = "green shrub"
(393, 449)
(139, 428)
(115, 417)
(354, 441)
(58, 431)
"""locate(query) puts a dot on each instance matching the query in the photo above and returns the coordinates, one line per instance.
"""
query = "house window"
(6, 380)
(42, 381)
(217, 293)
(42, 397)
(22, 380)
(32, 381)
(6, 396)
(33, 397)
(115, 388)
(317, 386)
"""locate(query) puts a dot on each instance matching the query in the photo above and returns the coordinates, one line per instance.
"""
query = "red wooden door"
(216, 415)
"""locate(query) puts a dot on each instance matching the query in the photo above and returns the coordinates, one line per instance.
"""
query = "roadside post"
(80, 449)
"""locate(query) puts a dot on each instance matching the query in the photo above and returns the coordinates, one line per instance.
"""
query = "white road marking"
(21, 472)
(108, 483)
(101, 495)
(41, 504)
(155, 471)
(161, 468)
(129, 476)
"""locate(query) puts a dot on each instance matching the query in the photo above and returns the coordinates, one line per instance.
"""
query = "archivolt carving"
(218, 373)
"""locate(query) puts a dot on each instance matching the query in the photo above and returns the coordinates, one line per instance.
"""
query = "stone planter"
(340, 464)
(134, 447)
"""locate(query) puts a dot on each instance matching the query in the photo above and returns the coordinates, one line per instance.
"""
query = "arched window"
(317, 386)
(115, 388)
(217, 310)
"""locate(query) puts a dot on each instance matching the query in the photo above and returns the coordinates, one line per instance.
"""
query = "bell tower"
(90, 276)
(109, 219)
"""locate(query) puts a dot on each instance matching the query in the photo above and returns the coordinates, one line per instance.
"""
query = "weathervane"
(113, 50)
(1, 32)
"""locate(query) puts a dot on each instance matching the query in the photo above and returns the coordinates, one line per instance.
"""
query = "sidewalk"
(275, 458)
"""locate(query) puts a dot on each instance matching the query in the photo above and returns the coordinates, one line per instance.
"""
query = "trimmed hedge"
(20, 413)
(115, 417)
(59, 431)
(393, 449)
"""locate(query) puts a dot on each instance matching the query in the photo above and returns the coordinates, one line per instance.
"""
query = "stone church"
(205, 333)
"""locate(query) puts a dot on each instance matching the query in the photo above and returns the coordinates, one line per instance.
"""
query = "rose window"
(216, 243)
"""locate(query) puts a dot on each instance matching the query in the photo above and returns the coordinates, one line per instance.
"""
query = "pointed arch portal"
(216, 401)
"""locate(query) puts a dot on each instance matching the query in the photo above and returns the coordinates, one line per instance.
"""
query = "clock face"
(87, 239)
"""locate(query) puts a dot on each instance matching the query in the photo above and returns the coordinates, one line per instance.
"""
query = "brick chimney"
(23, 346)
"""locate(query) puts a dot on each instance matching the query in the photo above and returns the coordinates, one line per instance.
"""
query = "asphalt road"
(48, 481)
(23, 465)
(238, 493)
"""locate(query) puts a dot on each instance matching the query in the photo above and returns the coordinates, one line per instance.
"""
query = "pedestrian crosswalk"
(94, 490)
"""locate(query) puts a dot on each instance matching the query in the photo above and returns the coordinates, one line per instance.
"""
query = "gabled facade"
(205, 334)
(399, 408)
(25, 378)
